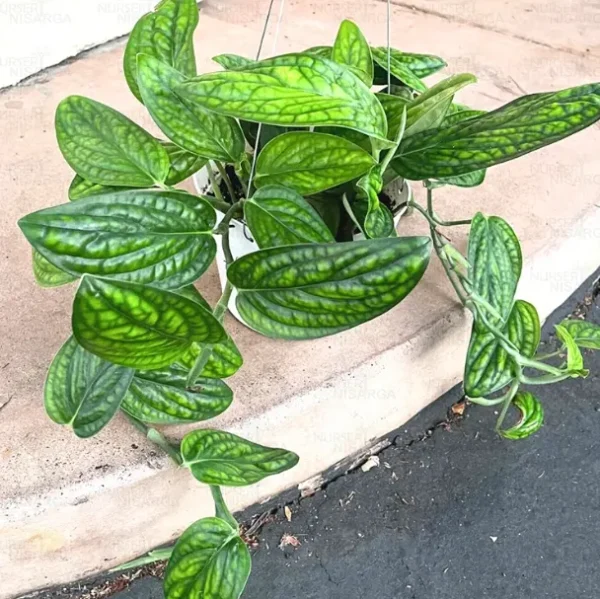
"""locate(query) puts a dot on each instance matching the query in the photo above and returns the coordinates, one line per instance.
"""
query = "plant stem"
(199, 364)
(157, 555)
(213, 183)
(544, 379)
(216, 204)
(507, 401)
(482, 401)
(549, 355)
(157, 438)
(228, 183)
(221, 307)
(221, 509)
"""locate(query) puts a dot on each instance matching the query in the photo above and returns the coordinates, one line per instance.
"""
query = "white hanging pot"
(242, 243)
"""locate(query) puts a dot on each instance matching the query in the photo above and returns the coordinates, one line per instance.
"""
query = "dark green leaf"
(165, 34)
(278, 216)
(313, 290)
(161, 397)
(574, 357)
(520, 127)
(310, 162)
(531, 420)
(47, 275)
(105, 147)
(138, 326)
(400, 70)
(183, 163)
(422, 65)
(232, 62)
(394, 107)
(294, 89)
(82, 390)
(329, 210)
(585, 333)
(220, 458)
(210, 561)
(159, 237)
(458, 116)
(352, 50)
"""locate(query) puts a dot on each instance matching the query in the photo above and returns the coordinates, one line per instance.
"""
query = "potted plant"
(308, 147)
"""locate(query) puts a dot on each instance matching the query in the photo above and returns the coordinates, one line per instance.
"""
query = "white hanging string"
(389, 46)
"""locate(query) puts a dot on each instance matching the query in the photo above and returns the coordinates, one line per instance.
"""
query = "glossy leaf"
(162, 397)
(47, 275)
(105, 147)
(209, 561)
(221, 458)
(165, 34)
(310, 162)
(138, 326)
(313, 290)
(352, 50)
(188, 124)
(293, 89)
(159, 237)
(232, 62)
(531, 420)
(399, 69)
(82, 188)
(574, 356)
(421, 65)
(520, 127)
(183, 163)
(82, 390)
(584, 333)
(278, 216)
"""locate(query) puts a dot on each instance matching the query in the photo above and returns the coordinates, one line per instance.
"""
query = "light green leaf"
(322, 51)
(379, 221)
(220, 458)
(584, 333)
(310, 162)
(210, 561)
(82, 188)
(421, 65)
(400, 70)
(394, 107)
(313, 290)
(458, 115)
(47, 275)
(293, 89)
(162, 397)
(574, 356)
(159, 237)
(165, 34)
(352, 50)
(105, 147)
(82, 390)
(232, 62)
(183, 163)
(469, 180)
(138, 326)
(188, 124)
(278, 216)
(531, 420)
(520, 127)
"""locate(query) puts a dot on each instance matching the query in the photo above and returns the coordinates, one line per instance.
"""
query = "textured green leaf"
(531, 420)
(159, 237)
(48, 275)
(183, 163)
(209, 561)
(322, 51)
(400, 70)
(352, 50)
(495, 260)
(162, 397)
(520, 127)
(455, 115)
(105, 147)
(138, 326)
(585, 334)
(232, 62)
(82, 188)
(220, 458)
(294, 89)
(574, 356)
(310, 162)
(188, 124)
(313, 290)
(278, 216)
(379, 221)
(165, 34)
(469, 180)
(394, 107)
(421, 65)
(82, 390)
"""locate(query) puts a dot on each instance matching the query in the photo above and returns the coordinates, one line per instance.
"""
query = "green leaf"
(352, 50)
(47, 275)
(495, 260)
(421, 65)
(209, 561)
(379, 221)
(310, 162)
(105, 147)
(278, 216)
(574, 357)
(394, 107)
(138, 326)
(220, 458)
(293, 89)
(531, 420)
(400, 70)
(165, 34)
(313, 290)
(585, 334)
(520, 127)
(469, 180)
(322, 51)
(82, 390)
(232, 62)
(455, 115)
(183, 163)
(188, 124)
(159, 237)
(82, 188)
(162, 397)
(328, 208)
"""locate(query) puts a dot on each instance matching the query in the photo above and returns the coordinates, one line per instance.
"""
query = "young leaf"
(584, 333)
(159, 237)
(531, 420)
(313, 290)
(421, 65)
(210, 561)
(162, 397)
(82, 390)
(138, 326)
(188, 124)
(220, 458)
(165, 34)
(400, 70)
(82, 188)
(352, 49)
(520, 127)
(574, 357)
(47, 275)
(310, 162)
(232, 62)
(105, 147)
(394, 107)
(379, 221)
(278, 216)
(183, 163)
(322, 51)
(293, 89)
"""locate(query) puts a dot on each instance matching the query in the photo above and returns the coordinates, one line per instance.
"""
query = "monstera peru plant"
(305, 150)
